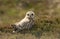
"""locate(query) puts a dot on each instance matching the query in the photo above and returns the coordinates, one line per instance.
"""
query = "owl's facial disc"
(30, 14)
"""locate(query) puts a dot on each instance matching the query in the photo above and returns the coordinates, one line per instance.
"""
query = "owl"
(26, 23)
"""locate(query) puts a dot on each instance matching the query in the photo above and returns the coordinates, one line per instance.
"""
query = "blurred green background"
(47, 12)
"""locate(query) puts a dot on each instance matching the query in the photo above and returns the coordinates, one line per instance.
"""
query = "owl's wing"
(24, 25)
(21, 25)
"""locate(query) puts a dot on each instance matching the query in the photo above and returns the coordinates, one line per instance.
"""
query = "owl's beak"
(30, 16)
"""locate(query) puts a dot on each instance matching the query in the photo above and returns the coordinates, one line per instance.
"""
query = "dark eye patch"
(28, 14)
(32, 14)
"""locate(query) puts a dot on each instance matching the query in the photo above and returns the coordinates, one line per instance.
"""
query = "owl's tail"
(13, 25)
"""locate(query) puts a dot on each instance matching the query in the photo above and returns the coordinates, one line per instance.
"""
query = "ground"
(44, 35)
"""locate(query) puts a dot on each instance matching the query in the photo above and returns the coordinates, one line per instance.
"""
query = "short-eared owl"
(26, 23)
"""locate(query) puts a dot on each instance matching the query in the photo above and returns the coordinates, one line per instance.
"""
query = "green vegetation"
(14, 10)
(47, 18)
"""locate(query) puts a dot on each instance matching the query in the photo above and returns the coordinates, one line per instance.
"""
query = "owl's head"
(30, 15)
